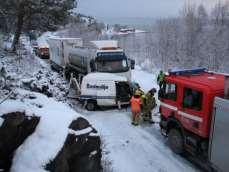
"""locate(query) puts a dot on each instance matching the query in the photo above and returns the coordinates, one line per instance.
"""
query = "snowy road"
(135, 149)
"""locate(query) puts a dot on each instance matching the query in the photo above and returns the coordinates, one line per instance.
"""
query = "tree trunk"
(20, 22)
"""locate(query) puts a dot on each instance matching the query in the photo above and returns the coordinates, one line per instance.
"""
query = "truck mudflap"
(163, 123)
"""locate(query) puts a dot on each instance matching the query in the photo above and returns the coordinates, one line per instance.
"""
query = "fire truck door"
(191, 109)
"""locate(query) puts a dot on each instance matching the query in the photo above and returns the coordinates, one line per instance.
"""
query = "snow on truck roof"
(107, 51)
(42, 41)
(214, 81)
(105, 44)
(104, 77)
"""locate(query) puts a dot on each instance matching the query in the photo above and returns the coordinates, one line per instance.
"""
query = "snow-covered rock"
(14, 131)
(78, 152)
(51, 134)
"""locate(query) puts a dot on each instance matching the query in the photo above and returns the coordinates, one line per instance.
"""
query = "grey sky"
(135, 8)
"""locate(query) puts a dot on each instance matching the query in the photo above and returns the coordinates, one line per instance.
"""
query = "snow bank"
(44, 144)
(146, 80)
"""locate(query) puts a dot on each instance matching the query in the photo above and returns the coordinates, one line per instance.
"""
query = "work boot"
(146, 118)
(136, 124)
(151, 121)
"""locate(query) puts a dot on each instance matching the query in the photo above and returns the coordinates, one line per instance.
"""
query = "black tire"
(52, 67)
(176, 141)
(67, 74)
(91, 105)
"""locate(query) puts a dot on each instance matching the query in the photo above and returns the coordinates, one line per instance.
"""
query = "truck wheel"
(52, 67)
(176, 141)
(91, 105)
(67, 74)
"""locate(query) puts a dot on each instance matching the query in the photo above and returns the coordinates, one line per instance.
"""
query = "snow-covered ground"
(135, 149)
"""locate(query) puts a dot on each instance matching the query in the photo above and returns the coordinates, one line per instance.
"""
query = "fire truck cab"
(187, 99)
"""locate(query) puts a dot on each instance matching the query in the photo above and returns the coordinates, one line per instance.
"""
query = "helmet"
(153, 90)
(137, 93)
(143, 96)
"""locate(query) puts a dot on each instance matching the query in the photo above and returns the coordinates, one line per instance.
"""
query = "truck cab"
(113, 61)
(187, 98)
(110, 58)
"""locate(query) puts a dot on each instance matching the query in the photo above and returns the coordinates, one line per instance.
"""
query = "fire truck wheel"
(176, 141)
(91, 105)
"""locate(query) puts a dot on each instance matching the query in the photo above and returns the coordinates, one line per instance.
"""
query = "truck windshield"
(113, 62)
(113, 66)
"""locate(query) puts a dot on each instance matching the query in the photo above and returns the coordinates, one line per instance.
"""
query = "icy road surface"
(135, 149)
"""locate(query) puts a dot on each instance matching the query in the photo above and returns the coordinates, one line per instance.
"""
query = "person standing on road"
(136, 108)
(161, 78)
(150, 104)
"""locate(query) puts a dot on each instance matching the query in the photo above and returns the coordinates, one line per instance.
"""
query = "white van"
(104, 89)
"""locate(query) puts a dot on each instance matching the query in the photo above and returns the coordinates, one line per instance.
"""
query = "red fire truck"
(195, 115)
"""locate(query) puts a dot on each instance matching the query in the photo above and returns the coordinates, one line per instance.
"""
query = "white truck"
(101, 72)
(60, 48)
(70, 55)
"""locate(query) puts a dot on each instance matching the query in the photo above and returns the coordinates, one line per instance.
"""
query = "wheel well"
(92, 100)
(174, 123)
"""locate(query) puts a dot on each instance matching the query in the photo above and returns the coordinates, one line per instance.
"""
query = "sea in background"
(136, 22)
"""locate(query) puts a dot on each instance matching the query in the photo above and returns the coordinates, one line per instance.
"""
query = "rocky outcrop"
(81, 151)
(16, 127)
(47, 83)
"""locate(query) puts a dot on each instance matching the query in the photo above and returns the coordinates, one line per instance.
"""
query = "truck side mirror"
(132, 64)
(92, 65)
